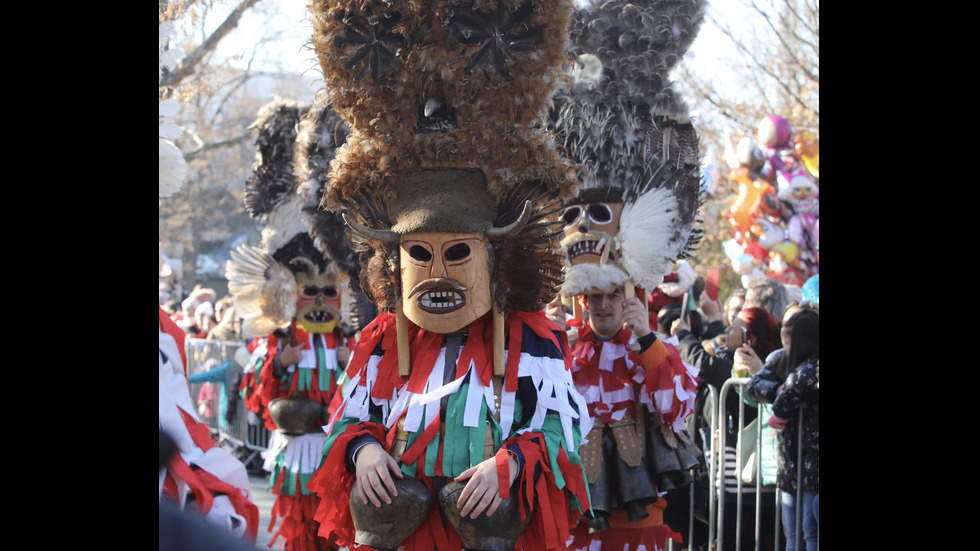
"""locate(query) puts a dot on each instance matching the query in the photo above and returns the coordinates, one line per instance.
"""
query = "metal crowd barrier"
(717, 445)
(244, 432)
(715, 462)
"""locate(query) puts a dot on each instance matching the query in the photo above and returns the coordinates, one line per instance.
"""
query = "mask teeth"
(605, 251)
(583, 247)
(447, 298)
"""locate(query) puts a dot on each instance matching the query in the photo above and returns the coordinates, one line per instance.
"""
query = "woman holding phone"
(789, 381)
(756, 329)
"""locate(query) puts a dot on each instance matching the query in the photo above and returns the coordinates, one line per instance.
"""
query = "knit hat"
(623, 123)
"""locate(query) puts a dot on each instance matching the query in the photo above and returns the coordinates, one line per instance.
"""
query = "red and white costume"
(201, 474)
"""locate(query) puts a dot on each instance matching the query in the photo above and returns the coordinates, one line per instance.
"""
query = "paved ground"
(264, 499)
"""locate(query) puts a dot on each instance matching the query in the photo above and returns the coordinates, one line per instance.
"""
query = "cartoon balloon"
(775, 141)
(807, 148)
(774, 132)
(744, 209)
(785, 265)
(731, 152)
(733, 249)
(709, 171)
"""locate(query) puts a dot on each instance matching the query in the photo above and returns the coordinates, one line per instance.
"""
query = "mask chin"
(311, 327)
(445, 323)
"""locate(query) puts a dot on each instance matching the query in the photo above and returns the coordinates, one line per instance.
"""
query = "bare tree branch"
(206, 147)
(781, 35)
(189, 65)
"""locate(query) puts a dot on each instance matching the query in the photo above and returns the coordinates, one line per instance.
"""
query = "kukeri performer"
(458, 423)
(633, 219)
(293, 291)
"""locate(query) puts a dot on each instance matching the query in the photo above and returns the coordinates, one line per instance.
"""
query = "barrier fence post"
(714, 445)
(247, 438)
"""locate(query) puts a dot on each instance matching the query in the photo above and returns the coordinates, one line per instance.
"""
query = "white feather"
(265, 291)
(285, 221)
(648, 237)
(685, 279)
(173, 168)
(582, 278)
(170, 57)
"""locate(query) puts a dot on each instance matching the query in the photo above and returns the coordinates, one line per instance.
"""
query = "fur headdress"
(446, 100)
(632, 136)
(278, 193)
(321, 133)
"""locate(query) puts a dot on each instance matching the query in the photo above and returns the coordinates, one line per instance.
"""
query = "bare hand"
(679, 324)
(746, 360)
(483, 489)
(343, 354)
(572, 335)
(373, 468)
(636, 317)
(713, 310)
(290, 354)
(555, 311)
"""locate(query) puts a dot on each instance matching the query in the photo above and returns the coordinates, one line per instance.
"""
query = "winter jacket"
(800, 394)
(715, 370)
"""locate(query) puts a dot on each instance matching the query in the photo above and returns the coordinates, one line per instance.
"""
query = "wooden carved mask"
(445, 279)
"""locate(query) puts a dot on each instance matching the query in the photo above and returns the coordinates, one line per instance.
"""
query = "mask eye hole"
(457, 252)
(571, 214)
(420, 253)
(600, 213)
(311, 291)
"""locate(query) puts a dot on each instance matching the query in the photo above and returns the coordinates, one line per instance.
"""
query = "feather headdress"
(446, 100)
(633, 139)
(321, 132)
(278, 193)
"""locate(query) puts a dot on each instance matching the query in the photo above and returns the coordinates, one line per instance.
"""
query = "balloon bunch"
(775, 213)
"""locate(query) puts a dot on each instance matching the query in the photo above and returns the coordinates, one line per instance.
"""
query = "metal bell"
(295, 416)
(662, 460)
(598, 524)
(601, 494)
(385, 528)
(498, 532)
(688, 453)
(619, 483)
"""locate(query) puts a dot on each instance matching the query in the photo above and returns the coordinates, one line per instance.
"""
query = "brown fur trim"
(497, 119)
(528, 268)
(489, 112)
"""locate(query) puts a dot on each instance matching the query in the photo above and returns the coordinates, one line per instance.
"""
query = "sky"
(292, 55)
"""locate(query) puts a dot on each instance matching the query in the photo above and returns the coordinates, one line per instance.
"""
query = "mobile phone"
(745, 335)
(685, 306)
